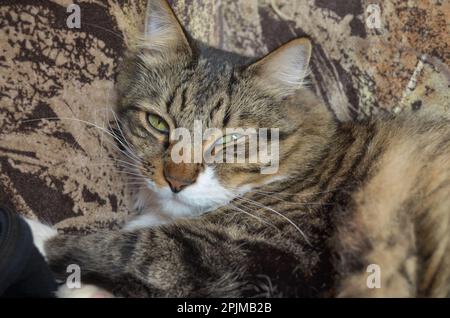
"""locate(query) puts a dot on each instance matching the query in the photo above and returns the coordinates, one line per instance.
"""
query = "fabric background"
(62, 171)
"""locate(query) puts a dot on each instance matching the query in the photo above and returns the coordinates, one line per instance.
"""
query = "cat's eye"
(227, 139)
(158, 123)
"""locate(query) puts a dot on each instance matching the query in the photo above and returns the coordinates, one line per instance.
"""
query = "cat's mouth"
(205, 194)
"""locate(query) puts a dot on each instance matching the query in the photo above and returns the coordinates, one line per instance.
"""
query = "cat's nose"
(180, 175)
(176, 185)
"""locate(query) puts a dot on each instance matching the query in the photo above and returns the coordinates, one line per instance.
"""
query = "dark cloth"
(23, 270)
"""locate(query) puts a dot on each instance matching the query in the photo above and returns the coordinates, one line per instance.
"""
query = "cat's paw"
(86, 291)
(41, 233)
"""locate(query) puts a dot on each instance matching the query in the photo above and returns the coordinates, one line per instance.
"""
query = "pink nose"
(176, 185)
(180, 175)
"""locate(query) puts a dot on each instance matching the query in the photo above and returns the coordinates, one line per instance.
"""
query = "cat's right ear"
(163, 32)
(284, 70)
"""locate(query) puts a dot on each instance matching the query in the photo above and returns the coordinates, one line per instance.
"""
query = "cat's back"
(416, 142)
(401, 210)
(410, 155)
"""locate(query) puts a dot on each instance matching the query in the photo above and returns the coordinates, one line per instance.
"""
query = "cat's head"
(171, 82)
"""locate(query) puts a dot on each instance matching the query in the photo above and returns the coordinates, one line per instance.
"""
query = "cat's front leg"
(41, 234)
(191, 258)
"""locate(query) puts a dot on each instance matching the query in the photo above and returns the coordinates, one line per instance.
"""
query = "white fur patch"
(86, 291)
(146, 220)
(162, 205)
(41, 233)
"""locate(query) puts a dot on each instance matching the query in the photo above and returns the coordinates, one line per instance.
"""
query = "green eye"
(228, 138)
(158, 123)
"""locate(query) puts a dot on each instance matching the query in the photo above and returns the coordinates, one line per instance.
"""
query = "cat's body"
(346, 195)
(377, 194)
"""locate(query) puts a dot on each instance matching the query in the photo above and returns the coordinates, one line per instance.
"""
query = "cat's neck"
(341, 156)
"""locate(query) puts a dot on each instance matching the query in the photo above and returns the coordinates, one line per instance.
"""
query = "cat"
(347, 195)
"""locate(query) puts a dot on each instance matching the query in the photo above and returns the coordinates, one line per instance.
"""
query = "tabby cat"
(346, 196)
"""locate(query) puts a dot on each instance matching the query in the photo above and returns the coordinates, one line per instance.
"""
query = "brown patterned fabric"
(62, 171)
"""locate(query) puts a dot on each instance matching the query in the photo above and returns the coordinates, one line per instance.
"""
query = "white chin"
(204, 195)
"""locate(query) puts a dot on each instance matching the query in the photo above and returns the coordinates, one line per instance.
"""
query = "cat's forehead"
(209, 79)
(207, 88)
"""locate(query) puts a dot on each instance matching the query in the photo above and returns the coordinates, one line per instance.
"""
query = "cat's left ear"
(163, 32)
(284, 70)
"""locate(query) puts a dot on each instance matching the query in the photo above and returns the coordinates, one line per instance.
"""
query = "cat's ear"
(162, 30)
(284, 70)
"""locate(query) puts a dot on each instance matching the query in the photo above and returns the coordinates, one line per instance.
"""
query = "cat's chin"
(204, 195)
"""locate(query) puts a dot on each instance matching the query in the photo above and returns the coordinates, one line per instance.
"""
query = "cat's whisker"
(135, 183)
(295, 203)
(129, 164)
(292, 194)
(240, 208)
(101, 129)
(119, 164)
(125, 153)
(283, 200)
(253, 216)
(69, 118)
(142, 181)
(120, 171)
(141, 178)
(119, 124)
(129, 157)
(129, 173)
(118, 139)
(121, 138)
(105, 29)
(279, 214)
(299, 194)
